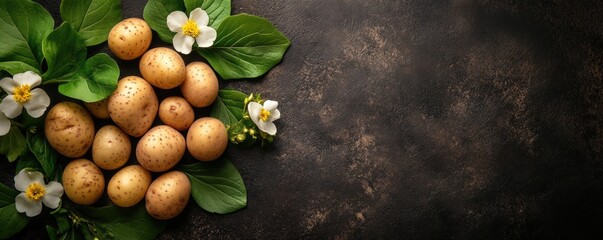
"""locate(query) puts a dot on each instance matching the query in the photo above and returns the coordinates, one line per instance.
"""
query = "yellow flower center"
(22, 93)
(35, 191)
(264, 114)
(190, 28)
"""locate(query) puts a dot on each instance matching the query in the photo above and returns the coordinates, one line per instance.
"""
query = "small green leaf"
(95, 81)
(228, 106)
(155, 14)
(7, 195)
(12, 221)
(43, 152)
(216, 9)
(217, 186)
(27, 161)
(13, 144)
(123, 223)
(14, 67)
(92, 19)
(23, 27)
(64, 51)
(247, 46)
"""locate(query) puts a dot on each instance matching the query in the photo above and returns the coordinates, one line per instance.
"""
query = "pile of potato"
(133, 106)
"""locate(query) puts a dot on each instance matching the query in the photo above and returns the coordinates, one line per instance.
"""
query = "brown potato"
(133, 106)
(130, 38)
(129, 185)
(207, 139)
(176, 112)
(111, 148)
(83, 182)
(163, 68)
(160, 149)
(168, 195)
(99, 109)
(200, 88)
(69, 129)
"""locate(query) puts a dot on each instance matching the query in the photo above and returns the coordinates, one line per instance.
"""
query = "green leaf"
(228, 106)
(23, 27)
(7, 195)
(14, 67)
(217, 186)
(64, 51)
(27, 161)
(13, 144)
(247, 46)
(92, 19)
(216, 9)
(43, 152)
(123, 223)
(155, 14)
(95, 81)
(12, 221)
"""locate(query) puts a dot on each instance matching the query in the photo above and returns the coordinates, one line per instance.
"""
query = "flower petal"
(10, 107)
(183, 43)
(206, 37)
(22, 180)
(267, 127)
(51, 201)
(254, 109)
(200, 17)
(54, 189)
(274, 115)
(8, 84)
(36, 106)
(175, 21)
(30, 78)
(4, 124)
(30, 207)
(270, 105)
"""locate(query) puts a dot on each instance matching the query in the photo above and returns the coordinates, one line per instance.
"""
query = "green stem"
(54, 81)
(17, 124)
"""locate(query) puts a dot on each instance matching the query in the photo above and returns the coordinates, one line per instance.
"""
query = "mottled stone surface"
(424, 120)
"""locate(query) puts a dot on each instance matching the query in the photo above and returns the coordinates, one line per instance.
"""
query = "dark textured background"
(423, 119)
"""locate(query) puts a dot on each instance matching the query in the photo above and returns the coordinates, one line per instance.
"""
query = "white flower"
(263, 116)
(21, 94)
(189, 30)
(33, 189)
(4, 124)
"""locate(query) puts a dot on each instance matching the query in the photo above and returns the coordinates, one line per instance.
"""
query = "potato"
(168, 195)
(111, 148)
(207, 139)
(98, 109)
(160, 149)
(83, 182)
(130, 38)
(200, 88)
(133, 106)
(176, 112)
(69, 129)
(129, 185)
(163, 68)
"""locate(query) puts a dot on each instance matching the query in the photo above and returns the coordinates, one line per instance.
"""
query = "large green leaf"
(7, 195)
(14, 67)
(155, 14)
(217, 186)
(12, 221)
(23, 26)
(95, 81)
(228, 106)
(247, 46)
(216, 9)
(43, 152)
(13, 144)
(122, 223)
(64, 51)
(92, 19)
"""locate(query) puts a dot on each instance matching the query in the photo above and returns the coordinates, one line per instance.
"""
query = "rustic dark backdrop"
(423, 119)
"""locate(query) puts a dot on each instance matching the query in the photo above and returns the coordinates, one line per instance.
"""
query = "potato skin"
(133, 106)
(163, 68)
(176, 112)
(83, 182)
(98, 109)
(111, 148)
(207, 139)
(69, 129)
(200, 88)
(129, 185)
(160, 149)
(130, 38)
(168, 195)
